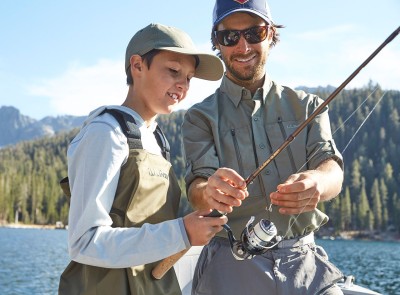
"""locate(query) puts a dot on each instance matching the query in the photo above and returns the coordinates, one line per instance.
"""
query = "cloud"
(199, 90)
(302, 63)
(383, 68)
(80, 89)
(332, 32)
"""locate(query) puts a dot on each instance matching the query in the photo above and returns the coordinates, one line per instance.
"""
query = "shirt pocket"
(237, 153)
(293, 158)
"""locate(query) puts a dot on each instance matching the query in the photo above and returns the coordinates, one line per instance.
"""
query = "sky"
(66, 57)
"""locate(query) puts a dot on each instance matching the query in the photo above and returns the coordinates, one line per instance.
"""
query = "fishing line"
(351, 139)
(337, 129)
(263, 236)
(351, 115)
(292, 136)
(341, 126)
(258, 239)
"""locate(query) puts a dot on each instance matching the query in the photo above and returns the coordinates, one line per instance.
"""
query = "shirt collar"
(236, 93)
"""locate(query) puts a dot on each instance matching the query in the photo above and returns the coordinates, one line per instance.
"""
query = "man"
(125, 196)
(239, 127)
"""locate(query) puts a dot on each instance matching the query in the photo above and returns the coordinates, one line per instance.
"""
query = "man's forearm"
(196, 194)
(332, 178)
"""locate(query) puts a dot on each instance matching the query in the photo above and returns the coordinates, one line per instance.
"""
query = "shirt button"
(267, 172)
(255, 119)
(262, 146)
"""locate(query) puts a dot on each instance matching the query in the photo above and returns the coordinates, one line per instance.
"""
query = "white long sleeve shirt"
(95, 157)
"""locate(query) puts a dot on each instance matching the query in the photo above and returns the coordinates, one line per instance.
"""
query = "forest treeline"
(366, 126)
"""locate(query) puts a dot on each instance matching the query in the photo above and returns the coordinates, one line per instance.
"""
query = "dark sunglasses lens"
(228, 37)
(231, 37)
(255, 35)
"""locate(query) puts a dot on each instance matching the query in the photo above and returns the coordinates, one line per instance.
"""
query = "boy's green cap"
(157, 36)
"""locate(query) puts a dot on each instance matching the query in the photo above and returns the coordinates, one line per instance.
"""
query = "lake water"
(31, 261)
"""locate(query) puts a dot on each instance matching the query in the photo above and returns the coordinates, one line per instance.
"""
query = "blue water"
(31, 261)
(375, 265)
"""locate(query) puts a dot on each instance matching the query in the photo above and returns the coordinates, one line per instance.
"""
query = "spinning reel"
(254, 240)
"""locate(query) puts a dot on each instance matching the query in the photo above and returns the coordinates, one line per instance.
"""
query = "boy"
(123, 210)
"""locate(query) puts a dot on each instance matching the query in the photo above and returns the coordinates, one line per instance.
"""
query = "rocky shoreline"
(346, 235)
(387, 236)
(32, 226)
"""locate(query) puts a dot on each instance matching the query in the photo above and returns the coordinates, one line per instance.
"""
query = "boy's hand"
(201, 229)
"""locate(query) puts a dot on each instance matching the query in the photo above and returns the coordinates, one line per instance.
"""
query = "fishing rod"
(291, 137)
(260, 238)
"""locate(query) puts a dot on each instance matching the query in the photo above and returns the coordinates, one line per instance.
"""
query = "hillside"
(366, 123)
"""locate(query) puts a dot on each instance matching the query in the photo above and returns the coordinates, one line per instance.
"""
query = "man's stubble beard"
(248, 76)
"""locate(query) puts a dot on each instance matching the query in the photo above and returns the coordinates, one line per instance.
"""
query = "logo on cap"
(242, 1)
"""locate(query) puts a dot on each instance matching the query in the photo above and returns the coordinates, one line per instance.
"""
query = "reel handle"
(215, 213)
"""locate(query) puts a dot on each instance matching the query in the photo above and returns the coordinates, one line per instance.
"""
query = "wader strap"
(163, 143)
(132, 132)
(128, 126)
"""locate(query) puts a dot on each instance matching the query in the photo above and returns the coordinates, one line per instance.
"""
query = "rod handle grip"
(164, 265)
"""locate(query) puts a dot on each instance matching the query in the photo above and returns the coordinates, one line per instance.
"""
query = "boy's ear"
(136, 62)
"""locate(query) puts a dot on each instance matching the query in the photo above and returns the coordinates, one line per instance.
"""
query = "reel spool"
(254, 240)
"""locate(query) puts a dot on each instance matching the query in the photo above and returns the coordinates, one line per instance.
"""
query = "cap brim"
(210, 66)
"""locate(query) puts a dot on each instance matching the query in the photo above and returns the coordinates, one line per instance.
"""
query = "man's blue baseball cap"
(223, 8)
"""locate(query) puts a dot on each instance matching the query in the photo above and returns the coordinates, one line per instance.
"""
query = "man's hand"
(222, 191)
(299, 193)
(302, 192)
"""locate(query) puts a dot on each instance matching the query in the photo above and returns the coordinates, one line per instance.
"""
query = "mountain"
(319, 89)
(15, 127)
(366, 123)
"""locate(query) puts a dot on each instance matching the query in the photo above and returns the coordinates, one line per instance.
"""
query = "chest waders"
(147, 192)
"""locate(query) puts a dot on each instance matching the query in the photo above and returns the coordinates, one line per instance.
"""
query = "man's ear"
(271, 34)
(215, 43)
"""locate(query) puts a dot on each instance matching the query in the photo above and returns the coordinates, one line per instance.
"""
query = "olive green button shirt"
(233, 129)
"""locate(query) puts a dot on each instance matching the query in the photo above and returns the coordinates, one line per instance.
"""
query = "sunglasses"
(231, 37)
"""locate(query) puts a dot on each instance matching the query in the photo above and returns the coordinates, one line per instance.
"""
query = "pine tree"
(376, 204)
(345, 210)
(30, 171)
(363, 209)
(396, 215)
(355, 179)
(384, 201)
